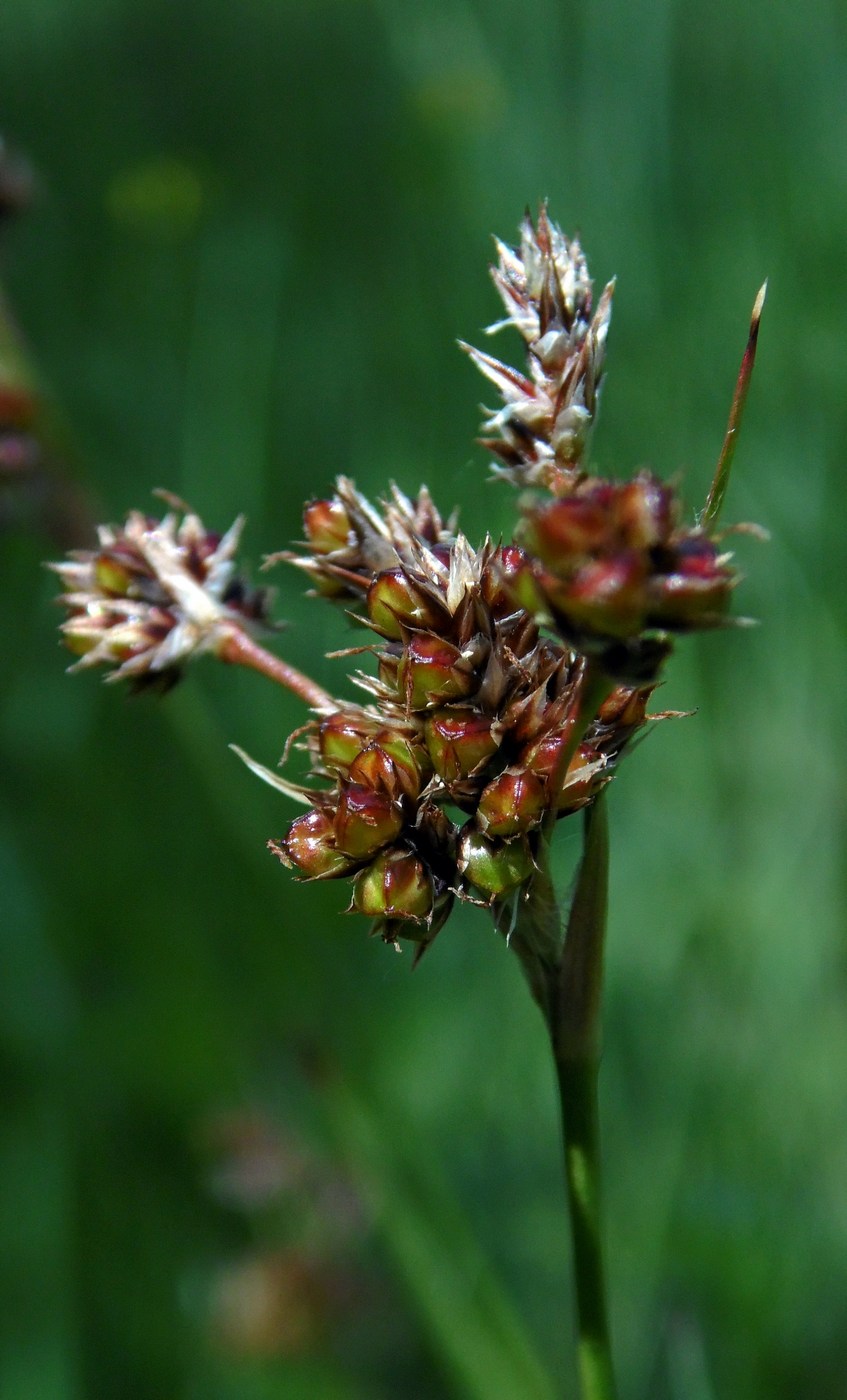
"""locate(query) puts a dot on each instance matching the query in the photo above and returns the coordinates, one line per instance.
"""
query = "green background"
(245, 1153)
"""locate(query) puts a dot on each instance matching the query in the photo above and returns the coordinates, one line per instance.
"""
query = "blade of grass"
(475, 1333)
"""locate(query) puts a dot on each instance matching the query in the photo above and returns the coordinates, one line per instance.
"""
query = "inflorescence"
(508, 679)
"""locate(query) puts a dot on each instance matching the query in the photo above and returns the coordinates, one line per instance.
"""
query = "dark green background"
(260, 229)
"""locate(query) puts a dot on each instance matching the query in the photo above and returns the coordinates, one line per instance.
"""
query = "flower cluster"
(473, 713)
(541, 433)
(154, 593)
(509, 679)
(615, 572)
(609, 565)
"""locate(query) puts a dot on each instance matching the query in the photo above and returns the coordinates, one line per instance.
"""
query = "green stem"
(576, 1049)
(578, 1096)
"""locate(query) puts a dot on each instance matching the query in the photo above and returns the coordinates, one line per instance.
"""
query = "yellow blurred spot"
(161, 198)
(472, 97)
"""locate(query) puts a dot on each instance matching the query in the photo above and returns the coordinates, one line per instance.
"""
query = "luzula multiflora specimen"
(509, 679)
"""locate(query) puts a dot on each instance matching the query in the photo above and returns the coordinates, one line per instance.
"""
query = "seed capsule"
(395, 885)
(341, 738)
(310, 847)
(494, 867)
(526, 584)
(432, 671)
(688, 600)
(327, 526)
(410, 760)
(512, 803)
(365, 821)
(111, 576)
(395, 603)
(696, 592)
(607, 595)
(566, 530)
(644, 511)
(508, 564)
(459, 742)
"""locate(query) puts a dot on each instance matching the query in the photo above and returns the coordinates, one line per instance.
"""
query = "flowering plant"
(510, 678)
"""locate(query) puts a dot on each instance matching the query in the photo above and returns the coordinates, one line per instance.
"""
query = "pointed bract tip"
(759, 303)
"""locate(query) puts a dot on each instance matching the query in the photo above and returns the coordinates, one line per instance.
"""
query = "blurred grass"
(259, 233)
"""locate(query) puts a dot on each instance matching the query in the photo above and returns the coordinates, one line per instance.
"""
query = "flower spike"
(541, 433)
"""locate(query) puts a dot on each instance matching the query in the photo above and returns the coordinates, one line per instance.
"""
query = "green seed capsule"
(494, 867)
(341, 738)
(111, 576)
(395, 603)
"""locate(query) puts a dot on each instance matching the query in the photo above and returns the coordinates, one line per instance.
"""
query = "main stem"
(578, 1097)
(576, 1049)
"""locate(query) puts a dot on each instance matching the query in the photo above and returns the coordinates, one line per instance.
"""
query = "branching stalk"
(240, 650)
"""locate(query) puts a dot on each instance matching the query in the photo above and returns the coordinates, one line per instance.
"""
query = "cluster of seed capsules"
(153, 594)
(509, 679)
(441, 785)
(611, 567)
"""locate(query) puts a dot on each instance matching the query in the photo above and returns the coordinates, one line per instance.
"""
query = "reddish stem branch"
(240, 650)
(736, 412)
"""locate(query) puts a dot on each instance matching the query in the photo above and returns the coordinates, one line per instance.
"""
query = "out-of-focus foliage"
(244, 1153)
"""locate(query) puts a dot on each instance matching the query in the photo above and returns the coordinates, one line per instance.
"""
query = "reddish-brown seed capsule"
(365, 821)
(581, 781)
(326, 525)
(644, 511)
(459, 742)
(511, 804)
(569, 529)
(508, 564)
(310, 847)
(683, 600)
(607, 595)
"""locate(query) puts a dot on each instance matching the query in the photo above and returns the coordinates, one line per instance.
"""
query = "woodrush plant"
(505, 684)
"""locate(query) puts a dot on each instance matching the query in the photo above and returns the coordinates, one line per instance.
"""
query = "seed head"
(614, 569)
(154, 594)
(472, 708)
(541, 433)
(349, 542)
